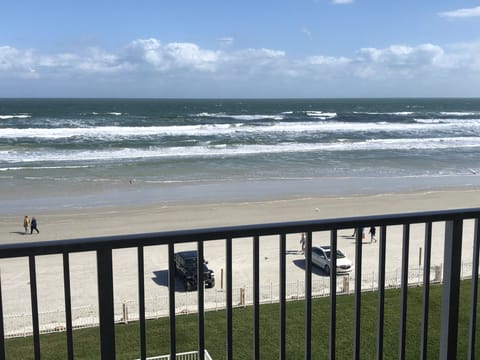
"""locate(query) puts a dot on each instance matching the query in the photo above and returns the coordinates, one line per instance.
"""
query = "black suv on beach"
(186, 267)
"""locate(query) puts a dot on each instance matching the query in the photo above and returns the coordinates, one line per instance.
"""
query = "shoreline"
(61, 196)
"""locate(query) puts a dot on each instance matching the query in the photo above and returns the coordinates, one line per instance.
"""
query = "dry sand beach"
(142, 219)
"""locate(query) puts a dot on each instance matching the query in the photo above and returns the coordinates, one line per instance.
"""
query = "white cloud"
(402, 56)
(399, 61)
(462, 13)
(171, 56)
(170, 65)
(327, 60)
(16, 62)
(342, 1)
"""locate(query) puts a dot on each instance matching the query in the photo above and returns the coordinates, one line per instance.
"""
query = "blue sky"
(261, 48)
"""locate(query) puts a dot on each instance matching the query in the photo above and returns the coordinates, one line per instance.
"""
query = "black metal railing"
(103, 247)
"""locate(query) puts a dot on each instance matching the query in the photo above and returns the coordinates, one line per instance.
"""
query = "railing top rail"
(183, 236)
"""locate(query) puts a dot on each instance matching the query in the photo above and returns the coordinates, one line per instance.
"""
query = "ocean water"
(70, 153)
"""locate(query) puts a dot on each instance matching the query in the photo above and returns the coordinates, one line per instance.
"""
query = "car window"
(317, 251)
(191, 263)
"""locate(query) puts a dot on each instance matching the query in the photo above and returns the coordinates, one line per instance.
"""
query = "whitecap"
(226, 150)
(321, 114)
(20, 116)
(459, 113)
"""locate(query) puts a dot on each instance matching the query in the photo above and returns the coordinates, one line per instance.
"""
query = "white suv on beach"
(321, 258)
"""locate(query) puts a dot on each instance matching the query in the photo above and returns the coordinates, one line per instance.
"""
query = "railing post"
(381, 291)
(105, 303)
(141, 302)
(358, 293)
(171, 300)
(256, 298)
(282, 297)
(68, 304)
(404, 291)
(2, 330)
(451, 289)
(474, 295)
(228, 296)
(34, 302)
(426, 289)
(333, 294)
(308, 297)
(200, 301)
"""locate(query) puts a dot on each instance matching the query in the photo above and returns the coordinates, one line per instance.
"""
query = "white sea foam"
(20, 116)
(224, 150)
(457, 122)
(459, 113)
(242, 117)
(113, 132)
(320, 114)
(398, 113)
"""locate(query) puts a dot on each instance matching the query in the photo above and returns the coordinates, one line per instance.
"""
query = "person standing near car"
(33, 226)
(372, 234)
(302, 242)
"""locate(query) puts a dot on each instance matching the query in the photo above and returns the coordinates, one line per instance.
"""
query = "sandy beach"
(132, 219)
(142, 219)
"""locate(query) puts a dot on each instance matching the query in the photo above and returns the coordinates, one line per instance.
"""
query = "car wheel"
(327, 269)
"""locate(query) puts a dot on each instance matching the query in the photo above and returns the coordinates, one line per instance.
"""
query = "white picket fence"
(191, 355)
(17, 325)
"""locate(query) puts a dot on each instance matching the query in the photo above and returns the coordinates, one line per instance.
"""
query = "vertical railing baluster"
(141, 302)
(228, 278)
(105, 303)
(426, 289)
(474, 293)
(381, 291)
(308, 297)
(34, 302)
(403, 291)
(333, 292)
(68, 304)
(256, 298)
(283, 303)
(171, 300)
(451, 289)
(2, 330)
(358, 292)
(201, 301)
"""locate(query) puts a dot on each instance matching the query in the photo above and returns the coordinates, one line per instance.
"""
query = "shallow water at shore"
(24, 198)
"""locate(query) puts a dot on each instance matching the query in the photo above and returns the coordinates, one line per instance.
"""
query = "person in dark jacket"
(33, 226)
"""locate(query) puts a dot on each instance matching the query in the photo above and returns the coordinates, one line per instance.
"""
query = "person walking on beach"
(26, 222)
(302, 242)
(372, 234)
(33, 226)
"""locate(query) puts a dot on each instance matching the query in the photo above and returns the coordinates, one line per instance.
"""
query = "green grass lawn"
(86, 341)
